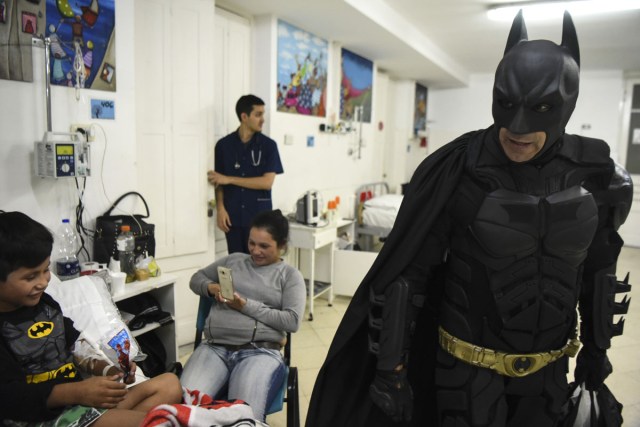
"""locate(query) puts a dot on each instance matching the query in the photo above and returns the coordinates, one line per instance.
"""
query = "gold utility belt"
(511, 365)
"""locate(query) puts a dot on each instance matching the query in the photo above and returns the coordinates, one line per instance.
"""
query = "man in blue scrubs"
(246, 164)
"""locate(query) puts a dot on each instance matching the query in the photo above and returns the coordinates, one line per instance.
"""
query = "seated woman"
(244, 335)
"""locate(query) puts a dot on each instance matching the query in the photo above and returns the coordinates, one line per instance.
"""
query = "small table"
(313, 238)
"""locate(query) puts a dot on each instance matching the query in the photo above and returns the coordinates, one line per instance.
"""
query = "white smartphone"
(226, 282)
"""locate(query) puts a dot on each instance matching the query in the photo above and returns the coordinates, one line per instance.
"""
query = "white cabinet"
(163, 289)
(350, 267)
(318, 244)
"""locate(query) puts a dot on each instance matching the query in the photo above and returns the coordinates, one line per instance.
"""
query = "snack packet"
(119, 347)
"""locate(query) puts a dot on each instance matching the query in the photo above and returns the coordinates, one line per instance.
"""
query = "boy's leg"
(143, 397)
(120, 417)
(238, 239)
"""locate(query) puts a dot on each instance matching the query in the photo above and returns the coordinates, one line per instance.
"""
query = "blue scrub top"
(255, 158)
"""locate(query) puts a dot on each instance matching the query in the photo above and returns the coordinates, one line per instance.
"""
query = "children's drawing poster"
(82, 36)
(356, 87)
(20, 21)
(420, 109)
(302, 71)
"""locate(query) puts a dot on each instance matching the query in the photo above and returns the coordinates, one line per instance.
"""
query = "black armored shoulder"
(616, 187)
(585, 150)
(620, 195)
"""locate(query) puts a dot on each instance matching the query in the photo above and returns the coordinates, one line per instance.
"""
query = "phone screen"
(226, 282)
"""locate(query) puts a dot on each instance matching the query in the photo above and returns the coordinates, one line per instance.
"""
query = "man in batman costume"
(468, 315)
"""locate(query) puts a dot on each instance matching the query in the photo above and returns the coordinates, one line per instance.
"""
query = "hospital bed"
(375, 212)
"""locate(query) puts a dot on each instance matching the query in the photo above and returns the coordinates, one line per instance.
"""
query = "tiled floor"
(311, 343)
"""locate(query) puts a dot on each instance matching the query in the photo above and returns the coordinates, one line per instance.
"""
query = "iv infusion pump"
(62, 154)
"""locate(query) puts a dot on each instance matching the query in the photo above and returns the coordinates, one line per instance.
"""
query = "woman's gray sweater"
(275, 297)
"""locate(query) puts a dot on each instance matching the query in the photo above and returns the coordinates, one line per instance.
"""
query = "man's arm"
(264, 182)
(222, 218)
(600, 287)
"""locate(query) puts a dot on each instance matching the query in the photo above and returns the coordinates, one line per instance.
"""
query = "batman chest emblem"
(560, 225)
(40, 330)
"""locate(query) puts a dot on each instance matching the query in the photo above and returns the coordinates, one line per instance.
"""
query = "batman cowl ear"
(570, 37)
(518, 32)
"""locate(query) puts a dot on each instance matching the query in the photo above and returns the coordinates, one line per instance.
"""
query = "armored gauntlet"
(391, 324)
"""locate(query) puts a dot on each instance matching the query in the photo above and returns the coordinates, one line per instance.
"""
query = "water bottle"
(67, 264)
(126, 244)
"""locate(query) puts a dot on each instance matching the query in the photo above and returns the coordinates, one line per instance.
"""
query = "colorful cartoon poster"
(356, 87)
(420, 109)
(82, 36)
(20, 22)
(302, 71)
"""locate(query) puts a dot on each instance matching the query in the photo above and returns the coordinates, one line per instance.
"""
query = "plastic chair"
(287, 393)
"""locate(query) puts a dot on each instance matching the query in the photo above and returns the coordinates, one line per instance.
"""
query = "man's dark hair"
(275, 224)
(245, 104)
(24, 242)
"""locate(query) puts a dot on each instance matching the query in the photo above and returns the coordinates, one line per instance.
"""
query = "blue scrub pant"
(238, 239)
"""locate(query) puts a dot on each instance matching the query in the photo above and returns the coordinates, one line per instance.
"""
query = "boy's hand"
(101, 392)
(130, 378)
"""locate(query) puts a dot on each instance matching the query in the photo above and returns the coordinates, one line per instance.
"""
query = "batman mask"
(536, 83)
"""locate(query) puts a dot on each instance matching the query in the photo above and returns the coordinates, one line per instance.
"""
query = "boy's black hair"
(24, 242)
(245, 105)
(275, 223)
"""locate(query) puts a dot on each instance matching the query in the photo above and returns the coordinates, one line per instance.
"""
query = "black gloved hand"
(391, 392)
(592, 367)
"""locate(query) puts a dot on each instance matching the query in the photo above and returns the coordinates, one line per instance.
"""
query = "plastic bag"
(588, 408)
(86, 301)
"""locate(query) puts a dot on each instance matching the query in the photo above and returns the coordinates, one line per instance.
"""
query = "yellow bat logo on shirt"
(40, 329)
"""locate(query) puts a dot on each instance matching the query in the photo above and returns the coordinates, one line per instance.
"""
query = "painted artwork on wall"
(20, 21)
(356, 87)
(302, 71)
(420, 109)
(82, 35)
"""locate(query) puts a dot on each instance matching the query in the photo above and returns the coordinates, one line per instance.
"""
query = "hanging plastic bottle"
(126, 244)
(66, 261)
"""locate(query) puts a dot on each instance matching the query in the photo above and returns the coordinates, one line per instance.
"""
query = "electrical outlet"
(84, 129)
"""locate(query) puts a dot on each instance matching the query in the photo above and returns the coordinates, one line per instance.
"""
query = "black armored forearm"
(391, 322)
(599, 306)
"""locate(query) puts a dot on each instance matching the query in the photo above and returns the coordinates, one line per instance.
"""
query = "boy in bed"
(42, 382)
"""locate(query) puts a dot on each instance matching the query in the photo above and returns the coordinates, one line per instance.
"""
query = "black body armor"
(526, 247)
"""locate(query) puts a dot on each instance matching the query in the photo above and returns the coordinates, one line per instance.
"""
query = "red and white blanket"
(200, 410)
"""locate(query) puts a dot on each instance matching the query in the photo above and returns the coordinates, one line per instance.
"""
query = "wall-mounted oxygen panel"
(61, 155)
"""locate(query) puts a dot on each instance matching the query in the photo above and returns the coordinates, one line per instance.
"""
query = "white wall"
(598, 114)
(23, 121)
(327, 166)
(453, 112)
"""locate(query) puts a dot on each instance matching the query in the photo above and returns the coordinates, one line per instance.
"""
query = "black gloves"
(391, 392)
(592, 367)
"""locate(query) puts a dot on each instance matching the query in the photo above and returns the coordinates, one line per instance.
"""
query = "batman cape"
(340, 395)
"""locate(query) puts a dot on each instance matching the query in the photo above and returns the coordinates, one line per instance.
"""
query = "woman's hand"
(237, 303)
(214, 290)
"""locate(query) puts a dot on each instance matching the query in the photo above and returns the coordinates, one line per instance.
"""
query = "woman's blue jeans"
(253, 375)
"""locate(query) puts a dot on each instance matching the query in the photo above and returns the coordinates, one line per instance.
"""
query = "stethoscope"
(254, 162)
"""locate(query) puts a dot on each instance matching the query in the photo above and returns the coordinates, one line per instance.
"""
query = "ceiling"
(440, 43)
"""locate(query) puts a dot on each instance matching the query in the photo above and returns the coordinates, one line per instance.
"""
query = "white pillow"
(385, 201)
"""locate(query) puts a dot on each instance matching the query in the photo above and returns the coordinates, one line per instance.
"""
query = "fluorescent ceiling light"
(553, 9)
